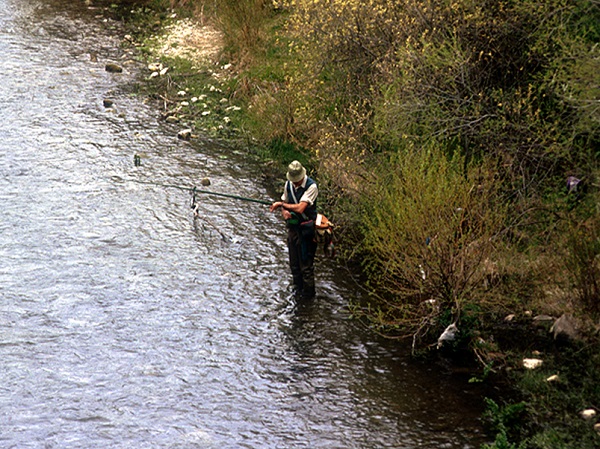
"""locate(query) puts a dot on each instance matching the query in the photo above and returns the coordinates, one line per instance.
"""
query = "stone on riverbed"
(113, 68)
(185, 134)
(543, 321)
(588, 413)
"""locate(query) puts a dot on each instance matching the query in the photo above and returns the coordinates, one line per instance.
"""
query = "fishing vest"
(310, 213)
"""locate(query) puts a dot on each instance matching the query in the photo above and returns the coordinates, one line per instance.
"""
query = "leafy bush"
(242, 24)
(504, 420)
(429, 222)
(504, 90)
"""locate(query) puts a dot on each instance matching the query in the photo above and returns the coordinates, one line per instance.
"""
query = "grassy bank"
(199, 79)
(457, 146)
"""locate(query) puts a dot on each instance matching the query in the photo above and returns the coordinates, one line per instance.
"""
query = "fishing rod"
(195, 190)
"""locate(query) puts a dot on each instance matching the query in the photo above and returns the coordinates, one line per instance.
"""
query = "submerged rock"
(113, 68)
(185, 134)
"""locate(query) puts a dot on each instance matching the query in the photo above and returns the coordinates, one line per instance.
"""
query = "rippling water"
(126, 323)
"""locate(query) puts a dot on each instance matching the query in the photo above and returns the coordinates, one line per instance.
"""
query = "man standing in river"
(299, 209)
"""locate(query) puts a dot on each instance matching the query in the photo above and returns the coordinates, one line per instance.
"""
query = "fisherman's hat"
(296, 172)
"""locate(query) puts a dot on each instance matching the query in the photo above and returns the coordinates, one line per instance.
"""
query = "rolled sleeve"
(310, 196)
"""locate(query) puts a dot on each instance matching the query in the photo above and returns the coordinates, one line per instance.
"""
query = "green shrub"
(504, 420)
(430, 222)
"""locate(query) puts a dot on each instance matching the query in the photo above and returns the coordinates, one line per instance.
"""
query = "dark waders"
(302, 249)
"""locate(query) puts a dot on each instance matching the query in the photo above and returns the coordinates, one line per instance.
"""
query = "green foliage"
(553, 408)
(508, 92)
(282, 150)
(504, 420)
(501, 442)
(146, 17)
(429, 222)
(487, 77)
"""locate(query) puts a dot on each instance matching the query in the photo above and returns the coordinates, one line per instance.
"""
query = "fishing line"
(194, 205)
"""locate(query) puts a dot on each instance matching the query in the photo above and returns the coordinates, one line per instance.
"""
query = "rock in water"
(184, 134)
(113, 68)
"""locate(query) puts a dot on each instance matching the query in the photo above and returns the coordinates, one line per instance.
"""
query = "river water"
(125, 323)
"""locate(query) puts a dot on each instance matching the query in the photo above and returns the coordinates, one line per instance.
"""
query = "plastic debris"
(448, 335)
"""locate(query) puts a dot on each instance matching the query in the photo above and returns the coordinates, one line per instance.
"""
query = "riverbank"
(552, 377)
(197, 88)
(126, 321)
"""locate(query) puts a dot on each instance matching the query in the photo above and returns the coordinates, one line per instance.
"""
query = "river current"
(127, 323)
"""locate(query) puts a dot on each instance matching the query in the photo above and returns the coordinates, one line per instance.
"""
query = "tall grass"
(584, 262)
(242, 23)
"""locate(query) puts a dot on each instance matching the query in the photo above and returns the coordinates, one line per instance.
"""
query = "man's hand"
(276, 206)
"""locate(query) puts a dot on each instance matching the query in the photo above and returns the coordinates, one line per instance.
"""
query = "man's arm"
(298, 208)
(307, 199)
(286, 208)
